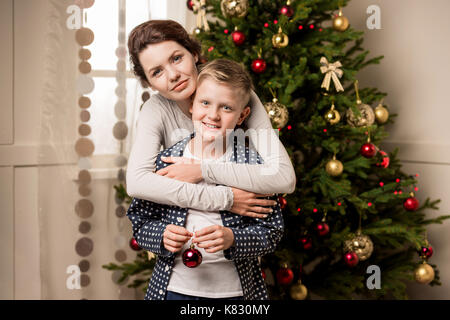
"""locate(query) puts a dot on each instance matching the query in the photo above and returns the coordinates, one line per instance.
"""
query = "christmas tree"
(353, 206)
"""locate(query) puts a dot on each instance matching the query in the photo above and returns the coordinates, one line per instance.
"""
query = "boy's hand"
(184, 169)
(175, 237)
(214, 238)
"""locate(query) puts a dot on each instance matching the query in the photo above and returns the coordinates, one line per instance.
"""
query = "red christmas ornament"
(190, 5)
(411, 204)
(134, 245)
(287, 11)
(426, 252)
(322, 229)
(283, 202)
(368, 150)
(238, 37)
(192, 257)
(285, 276)
(259, 65)
(306, 242)
(384, 160)
(351, 259)
(263, 274)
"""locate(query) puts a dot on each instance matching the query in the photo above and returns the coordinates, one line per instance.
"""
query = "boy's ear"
(244, 114)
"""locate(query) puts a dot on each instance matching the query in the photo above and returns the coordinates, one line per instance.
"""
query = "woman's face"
(170, 69)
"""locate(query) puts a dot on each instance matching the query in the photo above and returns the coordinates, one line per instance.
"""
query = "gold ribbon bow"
(331, 71)
(199, 6)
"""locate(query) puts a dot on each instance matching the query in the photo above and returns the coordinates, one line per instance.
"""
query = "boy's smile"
(217, 108)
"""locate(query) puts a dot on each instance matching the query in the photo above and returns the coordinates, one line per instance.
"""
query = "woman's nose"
(174, 75)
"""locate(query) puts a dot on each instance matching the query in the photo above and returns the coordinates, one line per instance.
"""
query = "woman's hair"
(156, 31)
(228, 72)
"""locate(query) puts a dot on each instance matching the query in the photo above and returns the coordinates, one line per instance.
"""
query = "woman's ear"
(196, 58)
(244, 114)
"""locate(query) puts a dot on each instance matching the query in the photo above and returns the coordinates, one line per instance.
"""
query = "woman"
(164, 58)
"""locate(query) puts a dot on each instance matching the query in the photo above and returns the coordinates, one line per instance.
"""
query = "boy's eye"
(228, 108)
(205, 103)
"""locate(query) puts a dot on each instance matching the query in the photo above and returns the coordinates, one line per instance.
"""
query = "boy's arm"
(258, 237)
(148, 229)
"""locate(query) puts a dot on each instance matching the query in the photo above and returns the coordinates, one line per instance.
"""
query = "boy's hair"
(227, 72)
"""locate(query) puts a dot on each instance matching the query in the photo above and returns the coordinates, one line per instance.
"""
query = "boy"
(230, 244)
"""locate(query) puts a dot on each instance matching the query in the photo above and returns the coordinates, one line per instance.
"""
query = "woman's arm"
(143, 183)
(276, 175)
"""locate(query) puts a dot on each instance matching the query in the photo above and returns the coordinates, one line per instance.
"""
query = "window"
(103, 19)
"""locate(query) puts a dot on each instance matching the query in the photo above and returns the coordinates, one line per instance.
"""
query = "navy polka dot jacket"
(254, 237)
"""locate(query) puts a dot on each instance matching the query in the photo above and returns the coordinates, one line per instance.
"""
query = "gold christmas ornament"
(298, 291)
(334, 167)
(381, 113)
(199, 7)
(361, 244)
(367, 116)
(234, 8)
(424, 273)
(331, 71)
(277, 112)
(280, 39)
(332, 116)
(340, 23)
(196, 31)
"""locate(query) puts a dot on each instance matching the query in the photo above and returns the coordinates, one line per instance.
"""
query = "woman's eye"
(177, 58)
(156, 72)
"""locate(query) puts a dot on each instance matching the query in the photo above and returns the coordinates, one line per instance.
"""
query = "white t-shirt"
(215, 277)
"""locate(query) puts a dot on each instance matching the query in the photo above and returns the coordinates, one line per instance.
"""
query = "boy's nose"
(213, 114)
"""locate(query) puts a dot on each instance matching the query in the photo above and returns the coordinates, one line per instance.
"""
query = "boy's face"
(217, 107)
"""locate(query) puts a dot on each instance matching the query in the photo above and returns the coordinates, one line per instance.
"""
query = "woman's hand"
(184, 169)
(214, 238)
(175, 237)
(247, 204)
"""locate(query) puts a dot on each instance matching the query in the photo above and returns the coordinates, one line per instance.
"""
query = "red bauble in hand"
(411, 204)
(238, 37)
(287, 11)
(351, 259)
(259, 65)
(368, 150)
(192, 257)
(134, 245)
(285, 276)
(305, 242)
(322, 229)
(283, 202)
